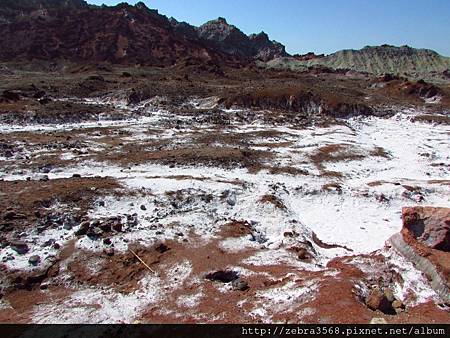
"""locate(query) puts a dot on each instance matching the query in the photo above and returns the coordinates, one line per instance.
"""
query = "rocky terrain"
(229, 39)
(149, 186)
(126, 34)
(126, 202)
(377, 60)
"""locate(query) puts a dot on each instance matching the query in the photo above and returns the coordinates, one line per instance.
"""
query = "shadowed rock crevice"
(226, 276)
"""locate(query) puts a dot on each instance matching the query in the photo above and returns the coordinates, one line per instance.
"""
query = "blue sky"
(323, 26)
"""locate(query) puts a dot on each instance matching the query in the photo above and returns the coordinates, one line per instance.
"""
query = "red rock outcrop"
(428, 226)
(424, 240)
(76, 31)
(300, 101)
(80, 32)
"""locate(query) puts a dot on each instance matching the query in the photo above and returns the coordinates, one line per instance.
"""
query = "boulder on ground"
(240, 285)
(83, 229)
(19, 246)
(34, 260)
(379, 300)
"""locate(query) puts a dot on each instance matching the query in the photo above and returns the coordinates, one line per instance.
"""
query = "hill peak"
(122, 33)
(399, 60)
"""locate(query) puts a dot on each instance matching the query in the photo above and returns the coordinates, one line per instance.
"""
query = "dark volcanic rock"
(185, 29)
(34, 260)
(266, 49)
(19, 246)
(223, 276)
(229, 39)
(94, 233)
(29, 6)
(83, 229)
(48, 243)
(77, 31)
(74, 30)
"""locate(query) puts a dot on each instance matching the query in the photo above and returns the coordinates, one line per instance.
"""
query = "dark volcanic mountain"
(77, 31)
(19, 6)
(231, 40)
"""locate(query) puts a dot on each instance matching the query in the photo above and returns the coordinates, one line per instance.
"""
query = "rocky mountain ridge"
(77, 31)
(11, 10)
(84, 33)
(403, 61)
(231, 40)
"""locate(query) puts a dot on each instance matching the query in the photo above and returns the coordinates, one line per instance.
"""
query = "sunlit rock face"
(231, 40)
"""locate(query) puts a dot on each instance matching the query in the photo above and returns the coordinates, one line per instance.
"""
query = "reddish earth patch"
(274, 200)
(122, 272)
(28, 197)
(339, 293)
(324, 245)
(236, 229)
